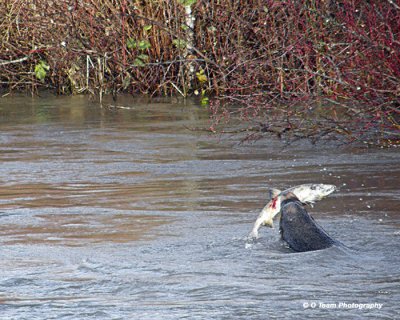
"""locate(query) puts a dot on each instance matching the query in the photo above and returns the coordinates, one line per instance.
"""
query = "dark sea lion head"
(288, 197)
(298, 229)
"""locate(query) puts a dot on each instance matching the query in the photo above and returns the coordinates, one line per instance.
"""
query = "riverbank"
(268, 58)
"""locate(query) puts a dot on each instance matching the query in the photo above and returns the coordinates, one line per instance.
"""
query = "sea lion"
(299, 230)
(306, 193)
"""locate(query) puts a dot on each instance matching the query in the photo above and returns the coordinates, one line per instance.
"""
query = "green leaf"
(40, 73)
(143, 57)
(187, 2)
(201, 76)
(41, 70)
(141, 45)
(204, 101)
(45, 65)
(131, 43)
(179, 43)
(138, 62)
(147, 27)
(144, 44)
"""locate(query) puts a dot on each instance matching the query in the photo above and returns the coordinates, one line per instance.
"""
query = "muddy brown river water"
(125, 214)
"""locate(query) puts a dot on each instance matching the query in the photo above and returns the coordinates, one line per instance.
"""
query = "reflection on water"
(80, 229)
(125, 214)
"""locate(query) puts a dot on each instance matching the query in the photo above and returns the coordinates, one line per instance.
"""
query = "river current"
(124, 213)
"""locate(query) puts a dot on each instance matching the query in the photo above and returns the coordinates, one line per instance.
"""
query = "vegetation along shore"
(311, 69)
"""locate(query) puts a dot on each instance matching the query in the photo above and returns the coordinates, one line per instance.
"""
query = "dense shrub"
(279, 61)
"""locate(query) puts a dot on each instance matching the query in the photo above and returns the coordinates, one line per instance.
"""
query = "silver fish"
(306, 193)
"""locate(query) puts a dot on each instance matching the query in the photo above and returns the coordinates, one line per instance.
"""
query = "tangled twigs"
(260, 60)
(3, 63)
